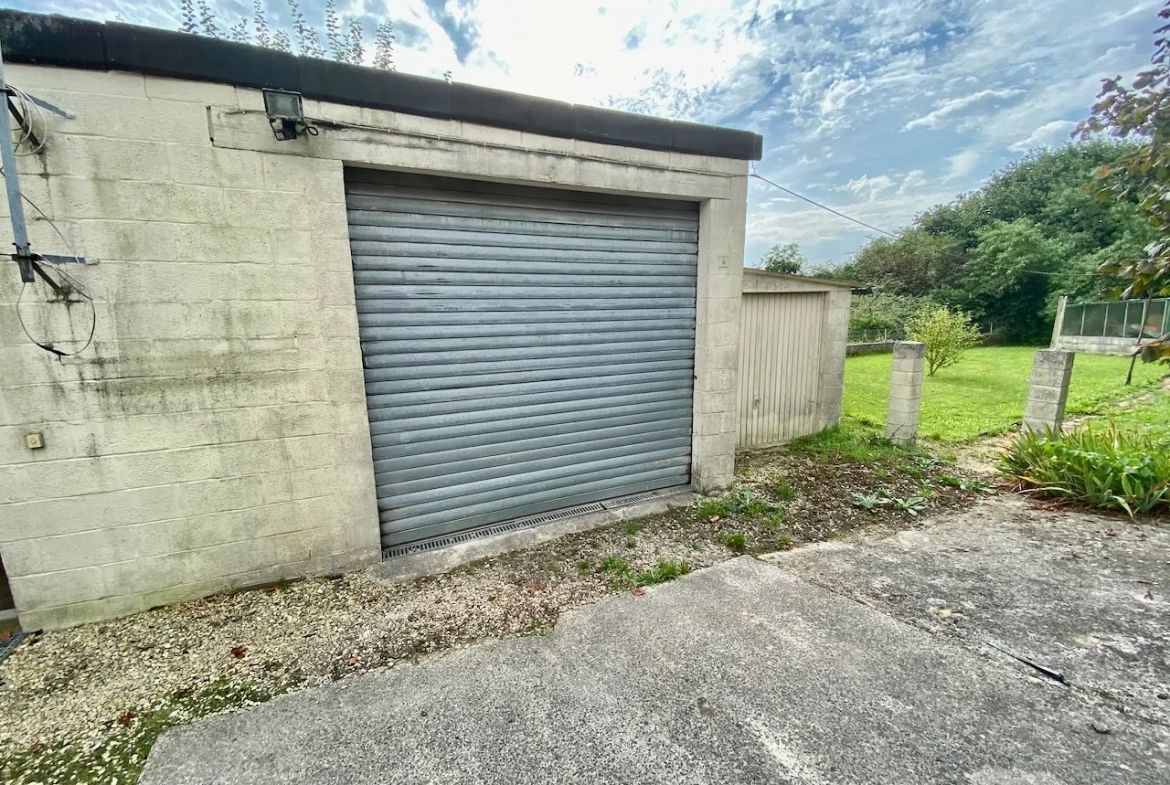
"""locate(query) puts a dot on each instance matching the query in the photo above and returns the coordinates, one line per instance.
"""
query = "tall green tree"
(1140, 112)
(1006, 252)
(787, 258)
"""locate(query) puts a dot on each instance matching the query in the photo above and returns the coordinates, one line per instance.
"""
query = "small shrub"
(736, 541)
(1103, 467)
(785, 492)
(947, 334)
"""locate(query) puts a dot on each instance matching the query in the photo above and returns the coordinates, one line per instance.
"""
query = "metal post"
(12, 186)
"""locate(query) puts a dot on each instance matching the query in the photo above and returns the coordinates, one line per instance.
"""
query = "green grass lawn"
(1150, 417)
(986, 391)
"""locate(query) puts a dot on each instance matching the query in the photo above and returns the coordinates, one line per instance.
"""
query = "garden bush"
(1102, 466)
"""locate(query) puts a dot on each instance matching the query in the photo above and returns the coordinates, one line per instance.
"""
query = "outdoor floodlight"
(286, 114)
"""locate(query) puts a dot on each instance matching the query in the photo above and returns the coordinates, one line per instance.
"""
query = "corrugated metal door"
(525, 349)
(779, 366)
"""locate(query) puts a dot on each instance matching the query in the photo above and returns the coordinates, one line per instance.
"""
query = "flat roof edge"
(52, 40)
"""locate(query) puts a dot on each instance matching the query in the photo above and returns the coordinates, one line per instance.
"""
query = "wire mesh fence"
(1126, 319)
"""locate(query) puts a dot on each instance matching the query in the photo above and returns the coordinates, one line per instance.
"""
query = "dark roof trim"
(78, 43)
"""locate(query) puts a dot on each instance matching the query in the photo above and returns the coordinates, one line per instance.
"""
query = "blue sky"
(880, 108)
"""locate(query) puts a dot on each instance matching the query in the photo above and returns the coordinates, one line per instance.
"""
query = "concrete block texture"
(214, 434)
(905, 392)
(1048, 390)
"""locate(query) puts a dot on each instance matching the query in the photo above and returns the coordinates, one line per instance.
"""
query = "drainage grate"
(529, 522)
(626, 501)
(10, 645)
(487, 531)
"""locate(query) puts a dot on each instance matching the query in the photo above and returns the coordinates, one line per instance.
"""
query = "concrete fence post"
(905, 392)
(1048, 390)
(1058, 325)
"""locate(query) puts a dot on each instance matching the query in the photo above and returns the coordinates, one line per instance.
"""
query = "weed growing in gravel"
(662, 572)
(776, 519)
(784, 541)
(869, 501)
(120, 758)
(978, 487)
(583, 565)
(714, 508)
(736, 541)
(743, 502)
(621, 573)
(748, 503)
(912, 505)
(631, 543)
(633, 527)
(785, 492)
(614, 564)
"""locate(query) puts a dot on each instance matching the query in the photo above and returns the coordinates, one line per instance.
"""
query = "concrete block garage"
(450, 308)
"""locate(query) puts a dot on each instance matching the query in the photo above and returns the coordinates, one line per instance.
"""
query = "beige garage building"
(449, 308)
(794, 332)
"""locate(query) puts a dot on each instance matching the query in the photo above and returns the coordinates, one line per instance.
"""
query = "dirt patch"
(95, 686)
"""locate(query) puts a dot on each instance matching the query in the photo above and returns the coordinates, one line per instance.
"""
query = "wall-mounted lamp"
(286, 114)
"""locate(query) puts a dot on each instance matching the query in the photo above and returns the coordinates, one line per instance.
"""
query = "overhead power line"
(879, 230)
(838, 213)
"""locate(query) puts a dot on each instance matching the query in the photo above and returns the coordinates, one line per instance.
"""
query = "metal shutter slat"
(385, 380)
(525, 350)
(455, 463)
(461, 444)
(439, 524)
(372, 221)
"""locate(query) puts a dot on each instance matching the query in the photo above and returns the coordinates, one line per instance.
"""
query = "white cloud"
(915, 178)
(963, 163)
(944, 110)
(1051, 134)
(869, 187)
(830, 83)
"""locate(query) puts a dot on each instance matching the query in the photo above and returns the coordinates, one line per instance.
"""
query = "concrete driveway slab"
(745, 672)
(1085, 595)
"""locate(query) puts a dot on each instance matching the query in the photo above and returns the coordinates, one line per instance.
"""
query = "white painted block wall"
(215, 433)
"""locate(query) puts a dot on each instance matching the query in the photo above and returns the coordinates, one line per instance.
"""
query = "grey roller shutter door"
(526, 350)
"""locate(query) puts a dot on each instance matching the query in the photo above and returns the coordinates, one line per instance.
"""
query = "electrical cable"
(818, 204)
(74, 286)
(48, 347)
(27, 127)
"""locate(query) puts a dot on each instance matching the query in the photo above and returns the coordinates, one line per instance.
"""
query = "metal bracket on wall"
(25, 259)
